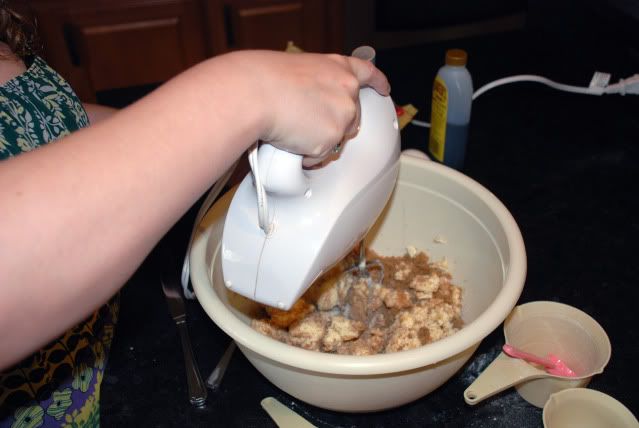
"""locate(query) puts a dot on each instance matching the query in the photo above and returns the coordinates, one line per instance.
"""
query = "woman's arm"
(81, 214)
(97, 112)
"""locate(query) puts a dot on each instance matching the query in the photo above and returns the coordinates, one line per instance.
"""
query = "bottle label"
(439, 106)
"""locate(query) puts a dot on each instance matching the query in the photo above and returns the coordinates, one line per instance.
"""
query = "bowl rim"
(433, 353)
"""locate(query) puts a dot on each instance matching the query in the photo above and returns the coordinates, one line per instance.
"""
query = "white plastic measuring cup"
(542, 328)
(586, 408)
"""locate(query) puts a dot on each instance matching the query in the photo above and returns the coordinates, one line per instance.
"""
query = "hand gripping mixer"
(288, 225)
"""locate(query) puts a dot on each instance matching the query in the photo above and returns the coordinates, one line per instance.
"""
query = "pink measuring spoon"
(552, 364)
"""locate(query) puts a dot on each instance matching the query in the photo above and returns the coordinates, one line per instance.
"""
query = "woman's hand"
(309, 102)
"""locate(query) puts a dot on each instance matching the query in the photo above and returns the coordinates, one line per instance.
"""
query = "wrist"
(238, 95)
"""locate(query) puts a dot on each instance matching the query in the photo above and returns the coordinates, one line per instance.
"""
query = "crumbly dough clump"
(414, 304)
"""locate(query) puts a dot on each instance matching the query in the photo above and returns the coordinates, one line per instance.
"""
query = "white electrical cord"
(538, 79)
(623, 87)
(262, 204)
(420, 123)
(204, 208)
(262, 211)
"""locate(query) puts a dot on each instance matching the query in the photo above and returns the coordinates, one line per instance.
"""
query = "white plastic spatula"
(283, 416)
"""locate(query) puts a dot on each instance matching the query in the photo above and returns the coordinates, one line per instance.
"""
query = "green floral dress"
(60, 384)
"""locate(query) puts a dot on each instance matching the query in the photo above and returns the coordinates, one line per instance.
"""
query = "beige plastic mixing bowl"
(586, 408)
(542, 328)
(433, 208)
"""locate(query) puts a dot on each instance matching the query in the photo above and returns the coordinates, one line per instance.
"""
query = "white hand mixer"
(272, 253)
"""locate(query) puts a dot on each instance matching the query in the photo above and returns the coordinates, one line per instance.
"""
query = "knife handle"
(197, 389)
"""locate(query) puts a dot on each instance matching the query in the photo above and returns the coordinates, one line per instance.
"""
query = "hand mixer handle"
(281, 172)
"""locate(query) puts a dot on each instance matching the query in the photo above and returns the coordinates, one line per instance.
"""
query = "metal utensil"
(363, 267)
(173, 293)
(215, 378)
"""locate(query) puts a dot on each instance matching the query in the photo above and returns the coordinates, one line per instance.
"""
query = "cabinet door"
(270, 24)
(107, 44)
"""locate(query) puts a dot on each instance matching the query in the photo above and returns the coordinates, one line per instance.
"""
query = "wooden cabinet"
(105, 44)
(271, 24)
(100, 45)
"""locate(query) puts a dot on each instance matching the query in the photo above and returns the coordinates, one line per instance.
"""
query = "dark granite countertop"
(563, 164)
